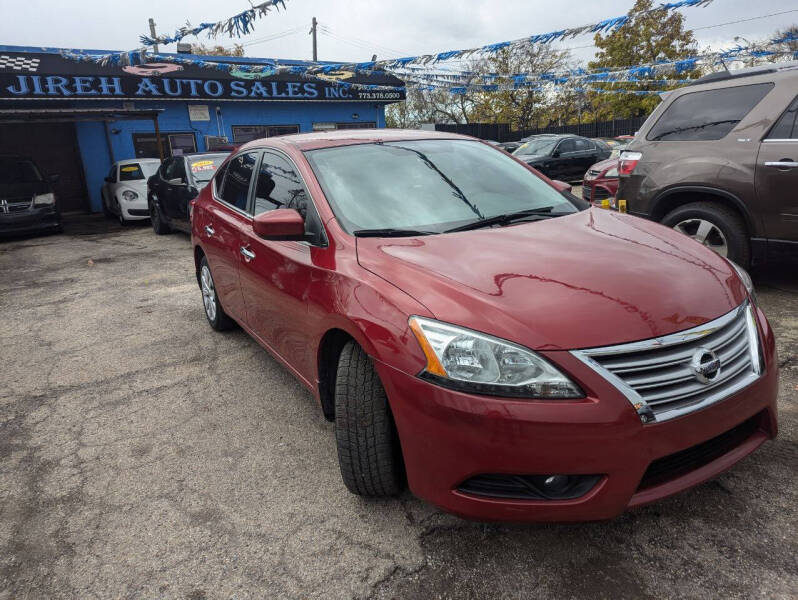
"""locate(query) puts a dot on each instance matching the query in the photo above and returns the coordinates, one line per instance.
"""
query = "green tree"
(645, 38)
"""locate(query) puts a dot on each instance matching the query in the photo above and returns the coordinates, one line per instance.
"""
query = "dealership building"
(75, 118)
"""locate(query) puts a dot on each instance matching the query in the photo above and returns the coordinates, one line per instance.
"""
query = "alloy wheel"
(705, 232)
(208, 293)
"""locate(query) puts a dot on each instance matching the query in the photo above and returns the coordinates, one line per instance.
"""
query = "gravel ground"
(142, 455)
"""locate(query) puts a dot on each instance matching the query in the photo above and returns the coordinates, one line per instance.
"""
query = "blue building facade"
(47, 99)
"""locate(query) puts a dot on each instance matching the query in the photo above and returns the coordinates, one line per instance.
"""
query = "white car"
(124, 192)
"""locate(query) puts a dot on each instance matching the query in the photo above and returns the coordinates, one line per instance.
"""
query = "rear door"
(221, 233)
(777, 178)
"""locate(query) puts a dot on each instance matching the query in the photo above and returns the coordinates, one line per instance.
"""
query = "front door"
(777, 178)
(276, 276)
(176, 195)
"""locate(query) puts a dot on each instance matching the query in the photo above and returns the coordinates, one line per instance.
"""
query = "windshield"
(137, 171)
(203, 167)
(429, 185)
(541, 147)
(18, 170)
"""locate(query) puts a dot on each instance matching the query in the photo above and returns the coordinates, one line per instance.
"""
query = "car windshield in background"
(536, 147)
(136, 171)
(428, 186)
(15, 170)
(203, 167)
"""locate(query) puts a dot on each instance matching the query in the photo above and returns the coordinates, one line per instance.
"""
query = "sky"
(354, 30)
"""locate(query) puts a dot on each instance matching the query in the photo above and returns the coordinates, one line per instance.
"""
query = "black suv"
(27, 201)
(566, 157)
(718, 161)
(175, 184)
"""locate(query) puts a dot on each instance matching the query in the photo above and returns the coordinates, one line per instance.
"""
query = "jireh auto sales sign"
(52, 76)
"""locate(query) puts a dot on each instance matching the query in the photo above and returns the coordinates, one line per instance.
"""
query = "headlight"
(129, 196)
(746, 279)
(44, 199)
(475, 362)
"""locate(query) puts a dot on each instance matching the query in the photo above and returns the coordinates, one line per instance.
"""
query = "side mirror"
(54, 178)
(555, 154)
(176, 181)
(561, 186)
(281, 224)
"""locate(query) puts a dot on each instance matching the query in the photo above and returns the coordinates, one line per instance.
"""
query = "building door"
(54, 148)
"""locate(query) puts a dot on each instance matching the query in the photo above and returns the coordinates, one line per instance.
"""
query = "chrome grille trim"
(657, 376)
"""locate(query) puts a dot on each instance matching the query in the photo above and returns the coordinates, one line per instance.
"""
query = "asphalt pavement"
(143, 455)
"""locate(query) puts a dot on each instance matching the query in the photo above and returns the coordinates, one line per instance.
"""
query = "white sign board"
(198, 112)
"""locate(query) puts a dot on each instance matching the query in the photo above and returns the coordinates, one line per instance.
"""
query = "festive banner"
(235, 26)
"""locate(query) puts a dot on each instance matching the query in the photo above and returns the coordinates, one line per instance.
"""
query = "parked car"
(565, 157)
(27, 200)
(601, 182)
(718, 161)
(175, 184)
(441, 301)
(124, 193)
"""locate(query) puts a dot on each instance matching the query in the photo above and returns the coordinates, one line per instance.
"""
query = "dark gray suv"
(718, 160)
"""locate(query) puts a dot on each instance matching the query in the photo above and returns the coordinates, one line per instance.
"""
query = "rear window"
(705, 116)
(785, 128)
(136, 171)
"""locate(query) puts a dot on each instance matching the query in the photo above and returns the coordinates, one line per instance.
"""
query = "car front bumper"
(134, 210)
(30, 220)
(448, 437)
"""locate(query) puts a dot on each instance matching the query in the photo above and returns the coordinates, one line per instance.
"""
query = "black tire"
(217, 318)
(368, 446)
(106, 211)
(727, 220)
(156, 219)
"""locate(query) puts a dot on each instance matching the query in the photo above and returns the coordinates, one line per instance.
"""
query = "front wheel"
(217, 318)
(368, 446)
(715, 226)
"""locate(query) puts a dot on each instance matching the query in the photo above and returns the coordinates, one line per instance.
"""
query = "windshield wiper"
(390, 232)
(506, 219)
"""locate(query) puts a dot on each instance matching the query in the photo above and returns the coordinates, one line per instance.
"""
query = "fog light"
(529, 487)
(555, 484)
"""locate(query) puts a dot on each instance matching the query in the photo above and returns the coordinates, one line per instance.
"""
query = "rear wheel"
(715, 226)
(214, 312)
(158, 224)
(368, 446)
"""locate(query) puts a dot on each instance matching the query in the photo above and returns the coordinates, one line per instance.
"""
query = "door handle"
(247, 253)
(209, 230)
(784, 163)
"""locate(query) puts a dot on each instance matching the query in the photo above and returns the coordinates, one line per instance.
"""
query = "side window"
(164, 170)
(279, 186)
(567, 146)
(236, 182)
(786, 128)
(173, 169)
(179, 171)
(218, 180)
(583, 145)
(710, 115)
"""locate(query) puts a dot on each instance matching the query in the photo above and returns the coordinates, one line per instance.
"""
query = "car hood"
(590, 279)
(20, 190)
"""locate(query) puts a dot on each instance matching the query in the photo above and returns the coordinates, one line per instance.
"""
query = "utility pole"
(153, 34)
(314, 23)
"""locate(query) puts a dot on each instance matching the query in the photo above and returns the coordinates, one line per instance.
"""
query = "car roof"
(348, 137)
(193, 154)
(771, 69)
(130, 161)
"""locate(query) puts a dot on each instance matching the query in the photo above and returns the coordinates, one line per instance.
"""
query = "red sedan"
(601, 182)
(434, 295)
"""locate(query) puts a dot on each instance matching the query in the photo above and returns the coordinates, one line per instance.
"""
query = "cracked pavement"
(143, 455)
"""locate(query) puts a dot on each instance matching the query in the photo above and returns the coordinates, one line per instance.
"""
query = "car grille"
(600, 194)
(675, 465)
(670, 376)
(593, 173)
(18, 204)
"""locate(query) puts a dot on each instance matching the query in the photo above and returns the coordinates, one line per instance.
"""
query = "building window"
(246, 133)
(145, 145)
(352, 125)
